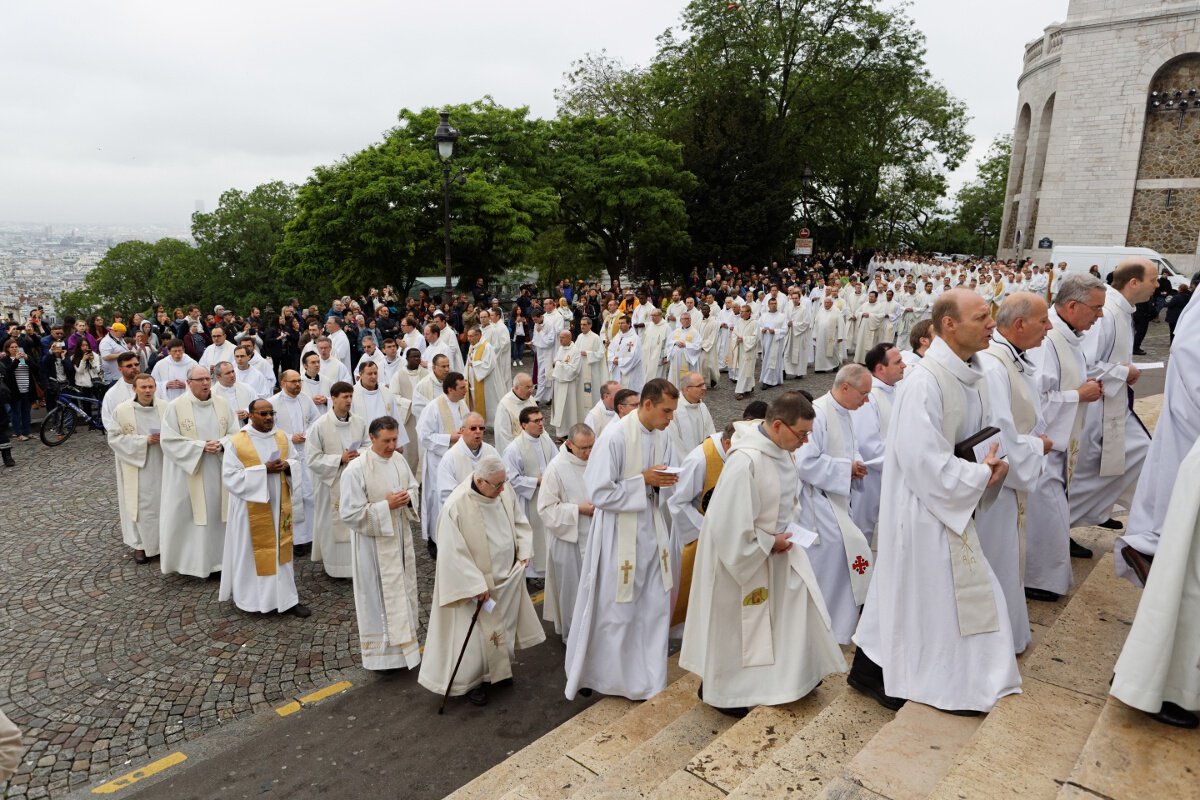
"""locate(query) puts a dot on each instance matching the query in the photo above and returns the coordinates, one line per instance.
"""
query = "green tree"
(238, 240)
(983, 198)
(620, 191)
(375, 217)
(131, 277)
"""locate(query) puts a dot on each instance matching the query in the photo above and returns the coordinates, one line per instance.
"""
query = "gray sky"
(130, 112)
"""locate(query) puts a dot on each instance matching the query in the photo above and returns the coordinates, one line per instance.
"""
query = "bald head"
(963, 320)
(522, 385)
(1023, 319)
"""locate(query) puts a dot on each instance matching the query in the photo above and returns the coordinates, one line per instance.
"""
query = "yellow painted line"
(328, 691)
(537, 598)
(290, 708)
(153, 768)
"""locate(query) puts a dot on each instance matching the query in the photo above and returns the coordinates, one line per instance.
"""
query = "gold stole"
(127, 422)
(185, 416)
(713, 464)
(262, 526)
(478, 394)
(444, 412)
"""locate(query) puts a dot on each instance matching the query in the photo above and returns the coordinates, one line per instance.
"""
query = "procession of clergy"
(912, 510)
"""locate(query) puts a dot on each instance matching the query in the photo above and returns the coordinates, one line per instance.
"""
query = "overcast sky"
(130, 112)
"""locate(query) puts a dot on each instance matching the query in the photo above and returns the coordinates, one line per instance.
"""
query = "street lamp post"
(982, 230)
(446, 136)
(806, 180)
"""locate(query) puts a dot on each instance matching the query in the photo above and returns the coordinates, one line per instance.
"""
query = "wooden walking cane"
(461, 653)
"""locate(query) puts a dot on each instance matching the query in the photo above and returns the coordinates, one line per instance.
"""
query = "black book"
(966, 448)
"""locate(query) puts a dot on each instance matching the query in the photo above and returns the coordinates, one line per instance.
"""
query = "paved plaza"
(107, 666)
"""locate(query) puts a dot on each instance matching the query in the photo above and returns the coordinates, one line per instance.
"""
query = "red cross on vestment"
(860, 565)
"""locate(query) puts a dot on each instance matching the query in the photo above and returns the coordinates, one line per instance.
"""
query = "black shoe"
(1044, 595)
(214, 576)
(505, 682)
(1139, 352)
(1079, 551)
(1171, 714)
(8, 459)
(1139, 562)
(961, 712)
(584, 692)
(1112, 525)
(139, 557)
(867, 677)
(478, 696)
(432, 546)
(302, 550)
(300, 610)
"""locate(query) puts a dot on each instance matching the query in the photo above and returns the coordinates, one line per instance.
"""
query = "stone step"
(909, 755)
(817, 754)
(1029, 743)
(1130, 755)
(734, 756)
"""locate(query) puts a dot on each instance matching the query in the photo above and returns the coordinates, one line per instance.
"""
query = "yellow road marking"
(328, 691)
(290, 708)
(537, 598)
(153, 768)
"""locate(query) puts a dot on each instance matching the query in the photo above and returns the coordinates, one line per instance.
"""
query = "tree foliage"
(133, 276)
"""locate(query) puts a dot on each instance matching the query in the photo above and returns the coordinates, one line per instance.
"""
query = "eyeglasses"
(802, 436)
(474, 427)
(264, 413)
(496, 486)
(536, 420)
(199, 380)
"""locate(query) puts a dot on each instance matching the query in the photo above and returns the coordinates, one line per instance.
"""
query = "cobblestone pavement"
(106, 665)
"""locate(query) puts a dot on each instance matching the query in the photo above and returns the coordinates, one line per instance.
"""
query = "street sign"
(1045, 243)
(804, 246)
(804, 233)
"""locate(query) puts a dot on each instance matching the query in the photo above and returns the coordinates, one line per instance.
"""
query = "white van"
(1081, 259)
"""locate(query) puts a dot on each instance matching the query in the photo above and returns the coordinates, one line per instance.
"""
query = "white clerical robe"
(743, 353)
(192, 515)
(683, 353)
(167, 370)
(139, 472)
(774, 338)
(497, 336)
(910, 308)
(654, 343)
(384, 565)
(315, 387)
(440, 420)
(371, 404)
(929, 495)
(599, 417)
(870, 423)
(757, 631)
(829, 335)
(840, 555)
(404, 381)
(567, 530)
(214, 354)
(1161, 658)
(1003, 524)
(726, 319)
(674, 312)
(481, 544)
(484, 381)
(332, 370)
(545, 345)
(241, 580)
(296, 415)
(692, 424)
(625, 361)
(375, 358)
(595, 367)
(526, 460)
(1177, 429)
(239, 396)
(710, 365)
(449, 349)
(425, 392)
(117, 393)
(620, 648)
(328, 438)
(458, 464)
(388, 370)
(567, 406)
(872, 327)
(253, 380)
(506, 425)
(1114, 443)
(798, 340)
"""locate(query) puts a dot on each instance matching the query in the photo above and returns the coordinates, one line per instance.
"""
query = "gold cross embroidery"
(496, 640)
(626, 568)
(664, 562)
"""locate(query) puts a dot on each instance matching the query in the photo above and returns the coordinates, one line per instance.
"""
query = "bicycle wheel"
(58, 426)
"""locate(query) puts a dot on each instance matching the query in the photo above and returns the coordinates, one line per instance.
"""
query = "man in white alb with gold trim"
(134, 440)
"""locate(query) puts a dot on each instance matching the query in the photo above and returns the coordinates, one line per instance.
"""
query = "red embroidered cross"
(860, 565)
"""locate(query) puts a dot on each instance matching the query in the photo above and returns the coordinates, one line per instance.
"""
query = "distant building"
(1106, 147)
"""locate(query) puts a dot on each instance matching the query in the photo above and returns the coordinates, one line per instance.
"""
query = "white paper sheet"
(1149, 365)
(800, 537)
(981, 449)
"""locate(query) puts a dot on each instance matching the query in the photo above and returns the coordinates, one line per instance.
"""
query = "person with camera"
(58, 373)
(21, 375)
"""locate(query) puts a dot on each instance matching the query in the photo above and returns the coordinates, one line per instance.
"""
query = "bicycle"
(72, 409)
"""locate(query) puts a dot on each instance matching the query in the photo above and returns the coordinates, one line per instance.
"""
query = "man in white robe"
(757, 631)
(829, 334)
(486, 543)
(1159, 668)
(371, 354)
(391, 363)
(603, 412)
(1015, 407)
(170, 373)
(798, 339)
(566, 403)
(334, 441)
(872, 319)
(654, 345)
(294, 415)
(506, 425)
(463, 455)
(871, 423)
(566, 514)
(379, 501)
(312, 385)
(192, 516)
(525, 460)
(620, 627)
(675, 310)
(411, 336)
(710, 330)
(220, 350)
(772, 324)
(120, 390)
(332, 368)
(237, 395)
(438, 429)
(693, 422)
(683, 350)
(437, 345)
(910, 308)
(625, 357)
(726, 319)
(371, 401)
(1177, 429)
(743, 353)
(134, 441)
(545, 345)
(484, 380)
(407, 374)
(256, 470)
(933, 591)
(595, 363)
(248, 376)
(496, 332)
(828, 465)
(429, 388)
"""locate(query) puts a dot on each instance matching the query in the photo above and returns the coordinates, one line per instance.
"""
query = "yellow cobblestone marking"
(314, 697)
(290, 708)
(128, 779)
